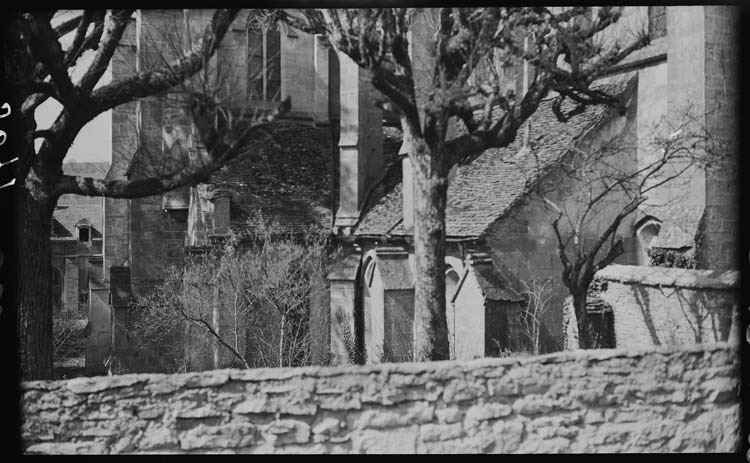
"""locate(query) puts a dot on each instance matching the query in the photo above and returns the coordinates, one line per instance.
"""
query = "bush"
(246, 303)
(664, 257)
(69, 334)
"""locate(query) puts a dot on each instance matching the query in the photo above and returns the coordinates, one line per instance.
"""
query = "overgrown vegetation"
(69, 334)
(664, 257)
(247, 303)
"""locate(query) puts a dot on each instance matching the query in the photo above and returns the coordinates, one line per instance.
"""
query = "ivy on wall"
(673, 258)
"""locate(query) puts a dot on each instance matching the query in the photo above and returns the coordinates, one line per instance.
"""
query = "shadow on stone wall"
(655, 306)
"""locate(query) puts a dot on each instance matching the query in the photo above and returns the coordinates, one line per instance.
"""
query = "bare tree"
(598, 188)
(539, 295)
(251, 298)
(69, 338)
(40, 58)
(440, 66)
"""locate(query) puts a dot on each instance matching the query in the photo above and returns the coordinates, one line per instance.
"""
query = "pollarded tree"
(439, 66)
(41, 56)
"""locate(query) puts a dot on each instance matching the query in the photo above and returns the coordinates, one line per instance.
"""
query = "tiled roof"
(71, 209)
(492, 283)
(486, 188)
(291, 185)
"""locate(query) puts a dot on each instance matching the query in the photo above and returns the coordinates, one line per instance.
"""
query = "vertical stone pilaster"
(720, 242)
(124, 144)
(360, 142)
(99, 342)
(702, 60)
(684, 198)
(156, 237)
(343, 300)
(320, 84)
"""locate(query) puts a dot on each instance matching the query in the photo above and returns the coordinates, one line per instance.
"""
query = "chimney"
(361, 164)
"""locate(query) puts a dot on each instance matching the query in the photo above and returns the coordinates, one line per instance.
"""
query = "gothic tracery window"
(264, 64)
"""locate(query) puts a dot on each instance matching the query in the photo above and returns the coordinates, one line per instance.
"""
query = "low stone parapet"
(667, 400)
(656, 306)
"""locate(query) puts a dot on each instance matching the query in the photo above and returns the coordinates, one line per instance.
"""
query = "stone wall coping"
(87, 385)
(663, 276)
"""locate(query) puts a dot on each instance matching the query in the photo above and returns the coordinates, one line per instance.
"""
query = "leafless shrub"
(251, 298)
(69, 334)
(539, 295)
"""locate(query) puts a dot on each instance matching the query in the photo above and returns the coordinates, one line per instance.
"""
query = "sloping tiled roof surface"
(291, 185)
(493, 285)
(73, 208)
(485, 189)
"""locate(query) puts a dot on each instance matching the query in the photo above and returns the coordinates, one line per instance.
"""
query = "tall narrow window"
(273, 64)
(255, 64)
(264, 64)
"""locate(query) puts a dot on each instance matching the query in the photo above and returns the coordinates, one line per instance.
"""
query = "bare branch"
(158, 80)
(82, 41)
(118, 24)
(47, 50)
(222, 148)
(67, 26)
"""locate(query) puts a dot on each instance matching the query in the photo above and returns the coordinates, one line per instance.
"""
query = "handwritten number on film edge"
(5, 107)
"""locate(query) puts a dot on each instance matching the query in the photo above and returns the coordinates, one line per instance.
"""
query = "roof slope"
(289, 183)
(493, 284)
(486, 189)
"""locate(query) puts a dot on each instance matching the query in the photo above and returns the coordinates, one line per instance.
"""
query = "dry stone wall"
(586, 401)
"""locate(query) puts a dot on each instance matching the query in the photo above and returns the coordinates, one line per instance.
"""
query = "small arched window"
(451, 283)
(646, 233)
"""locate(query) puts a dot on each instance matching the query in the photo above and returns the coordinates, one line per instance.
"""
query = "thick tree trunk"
(33, 219)
(430, 194)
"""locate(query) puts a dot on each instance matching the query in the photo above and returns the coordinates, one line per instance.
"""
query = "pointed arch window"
(264, 63)
(646, 232)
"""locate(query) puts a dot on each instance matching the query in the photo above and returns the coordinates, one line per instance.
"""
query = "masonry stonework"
(655, 306)
(721, 60)
(678, 400)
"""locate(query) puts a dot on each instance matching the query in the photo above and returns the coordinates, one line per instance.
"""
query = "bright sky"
(94, 142)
